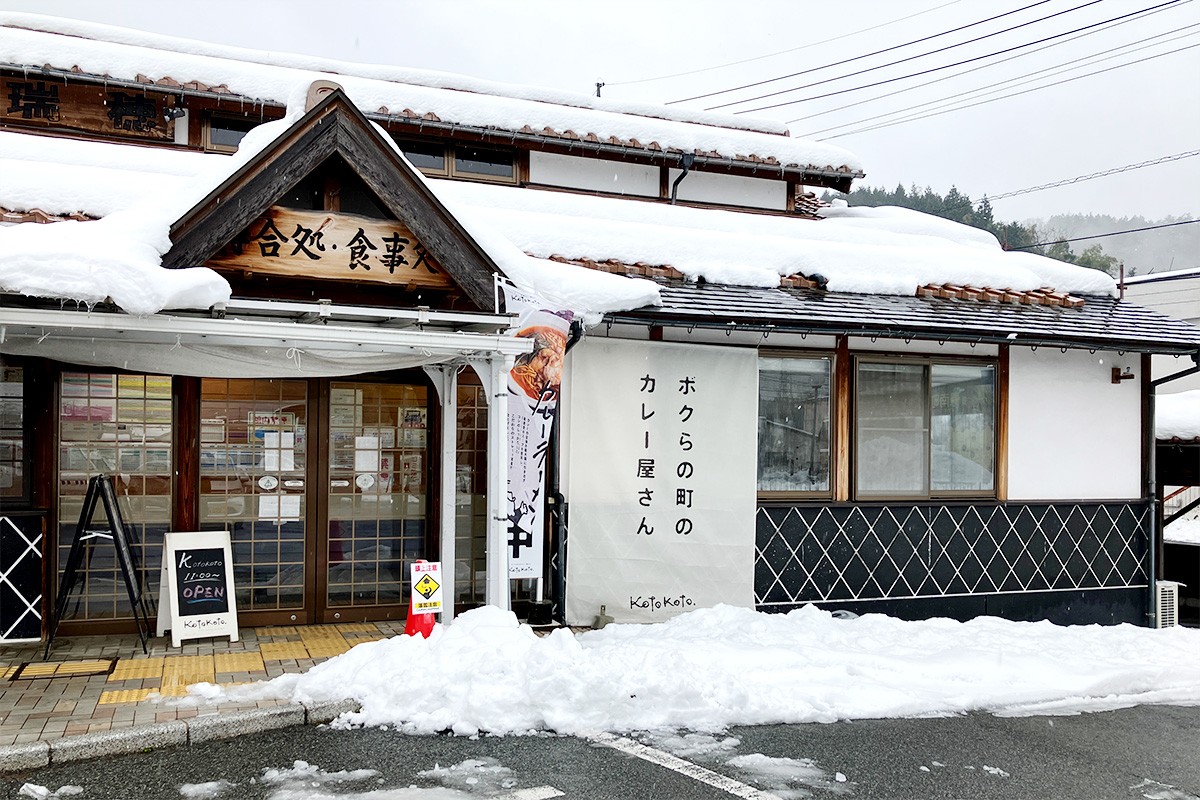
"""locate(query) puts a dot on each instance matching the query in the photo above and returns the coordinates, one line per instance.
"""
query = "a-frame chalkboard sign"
(100, 490)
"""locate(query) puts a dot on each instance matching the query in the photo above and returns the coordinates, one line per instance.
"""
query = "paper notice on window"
(366, 454)
(268, 506)
(289, 507)
(279, 451)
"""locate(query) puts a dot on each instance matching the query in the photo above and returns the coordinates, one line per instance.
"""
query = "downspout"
(1152, 482)
(555, 499)
(685, 163)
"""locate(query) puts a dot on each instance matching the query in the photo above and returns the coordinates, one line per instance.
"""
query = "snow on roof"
(1177, 416)
(35, 40)
(140, 191)
(860, 250)
(1168, 275)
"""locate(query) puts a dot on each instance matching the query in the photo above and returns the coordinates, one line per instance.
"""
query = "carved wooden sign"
(115, 112)
(330, 245)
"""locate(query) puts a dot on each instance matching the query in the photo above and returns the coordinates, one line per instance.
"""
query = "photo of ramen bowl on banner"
(537, 375)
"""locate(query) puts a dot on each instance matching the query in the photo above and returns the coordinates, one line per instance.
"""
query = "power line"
(902, 60)
(855, 58)
(1077, 179)
(1007, 96)
(783, 52)
(1015, 81)
(974, 69)
(1111, 233)
(957, 63)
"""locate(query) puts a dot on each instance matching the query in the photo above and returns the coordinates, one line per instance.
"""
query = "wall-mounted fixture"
(176, 111)
(1122, 374)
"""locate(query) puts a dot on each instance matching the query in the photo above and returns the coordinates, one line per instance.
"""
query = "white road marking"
(536, 793)
(686, 768)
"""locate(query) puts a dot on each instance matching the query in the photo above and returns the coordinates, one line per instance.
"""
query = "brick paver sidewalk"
(80, 690)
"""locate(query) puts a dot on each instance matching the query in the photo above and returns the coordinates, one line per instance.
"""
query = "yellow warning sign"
(427, 586)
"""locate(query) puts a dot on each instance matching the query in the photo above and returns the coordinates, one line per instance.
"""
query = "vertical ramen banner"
(533, 387)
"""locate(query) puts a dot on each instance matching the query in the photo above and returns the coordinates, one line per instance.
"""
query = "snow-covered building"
(260, 292)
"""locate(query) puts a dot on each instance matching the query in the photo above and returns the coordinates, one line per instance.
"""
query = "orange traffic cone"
(418, 623)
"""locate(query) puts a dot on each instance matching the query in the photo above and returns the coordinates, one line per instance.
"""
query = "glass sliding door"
(378, 491)
(254, 482)
(119, 426)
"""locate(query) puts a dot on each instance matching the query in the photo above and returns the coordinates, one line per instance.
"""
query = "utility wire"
(901, 60)
(973, 69)
(783, 52)
(1111, 233)
(958, 64)
(1076, 179)
(855, 58)
(914, 118)
(1058, 69)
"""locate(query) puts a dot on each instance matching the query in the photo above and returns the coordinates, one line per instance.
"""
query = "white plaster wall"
(593, 174)
(1072, 433)
(731, 190)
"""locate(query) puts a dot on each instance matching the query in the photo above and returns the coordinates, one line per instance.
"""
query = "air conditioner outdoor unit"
(1166, 600)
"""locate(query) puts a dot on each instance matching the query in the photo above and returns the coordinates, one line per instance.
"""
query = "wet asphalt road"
(1149, 752)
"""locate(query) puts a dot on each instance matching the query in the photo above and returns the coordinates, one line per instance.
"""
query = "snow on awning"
(1177, 416)
(256, 345)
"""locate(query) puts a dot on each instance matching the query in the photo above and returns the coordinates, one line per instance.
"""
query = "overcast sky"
(1128, 115)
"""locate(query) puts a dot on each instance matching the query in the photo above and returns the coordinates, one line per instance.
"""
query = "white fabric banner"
(661, 478)
(533, 387)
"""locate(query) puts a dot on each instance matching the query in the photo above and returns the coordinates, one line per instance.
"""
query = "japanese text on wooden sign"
(326, 244)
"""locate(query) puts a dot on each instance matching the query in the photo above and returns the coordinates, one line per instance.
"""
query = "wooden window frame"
(835, 437)
(453, 173)
(210, 118)
(998, 364)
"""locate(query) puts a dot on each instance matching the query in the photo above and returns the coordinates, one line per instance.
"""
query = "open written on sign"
(196, 598)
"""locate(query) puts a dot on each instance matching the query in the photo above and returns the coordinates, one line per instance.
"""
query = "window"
(224, 134)
(463, 161)
(793, 425)
(924, 429)
(14, 479)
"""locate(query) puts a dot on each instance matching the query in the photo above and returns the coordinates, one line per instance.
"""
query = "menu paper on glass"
(196, 599)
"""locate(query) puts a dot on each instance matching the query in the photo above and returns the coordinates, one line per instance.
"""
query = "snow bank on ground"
(709, 669)
(1177, 416)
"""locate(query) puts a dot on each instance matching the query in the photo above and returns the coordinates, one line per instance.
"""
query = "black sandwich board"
(100, 490)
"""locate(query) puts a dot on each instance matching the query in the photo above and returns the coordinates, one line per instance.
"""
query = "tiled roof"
(37, 215)
(1101, 322)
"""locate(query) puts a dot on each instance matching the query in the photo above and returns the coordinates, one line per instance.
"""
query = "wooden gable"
(249, 226)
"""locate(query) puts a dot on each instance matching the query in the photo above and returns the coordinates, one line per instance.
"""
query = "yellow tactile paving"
(185, 670)
(5, 672)
(327, 649)
(320, 632)
(281, 651)
(238, 662)
(276, 630)
(124, 696)
(175, 690)
(357, 627)
(136, 669)
(57, 669)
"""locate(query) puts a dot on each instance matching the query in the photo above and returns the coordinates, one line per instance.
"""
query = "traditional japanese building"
(264, 295)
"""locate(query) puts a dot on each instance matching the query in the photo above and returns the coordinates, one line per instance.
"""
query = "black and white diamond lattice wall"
(811, 554)
(20, 577)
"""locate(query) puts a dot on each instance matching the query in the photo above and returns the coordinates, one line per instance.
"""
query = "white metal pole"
(497, 541)
(445, 380)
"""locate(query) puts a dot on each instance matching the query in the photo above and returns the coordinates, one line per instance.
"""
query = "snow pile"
(861, 250)
(789, 777)
(1177, 416)
(709, 669)
(39, 792)
(206, 790)
(267, 76)
(1183, 531)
